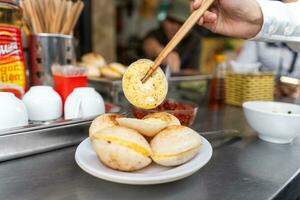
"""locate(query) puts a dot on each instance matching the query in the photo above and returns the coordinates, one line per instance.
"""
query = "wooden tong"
(185, 28)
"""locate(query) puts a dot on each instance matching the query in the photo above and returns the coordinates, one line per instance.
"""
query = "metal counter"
(245, 169)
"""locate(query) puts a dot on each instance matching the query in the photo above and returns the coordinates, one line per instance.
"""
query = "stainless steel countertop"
(247, 169)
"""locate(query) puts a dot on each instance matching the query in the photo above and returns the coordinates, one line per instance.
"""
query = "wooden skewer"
(60, 17)
(33, 17)
(76, 16)
(25, 20)
(56, 11)
(68, 15)
(51, 16)
(38, 10)
(52, 9)
(71, 17)
(185, 28)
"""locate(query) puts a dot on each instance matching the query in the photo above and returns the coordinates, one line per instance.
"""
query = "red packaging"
(12, 67)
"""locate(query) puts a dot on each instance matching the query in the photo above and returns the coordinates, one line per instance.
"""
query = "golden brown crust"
(94, 59)
(110, 73)
(92, 71)
(175, 145)
(146, 95)
(170, 119)
(103, 121)
(148, 127)
(122, 148)
(118, 67)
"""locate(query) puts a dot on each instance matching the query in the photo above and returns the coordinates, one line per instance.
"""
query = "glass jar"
(217, 86)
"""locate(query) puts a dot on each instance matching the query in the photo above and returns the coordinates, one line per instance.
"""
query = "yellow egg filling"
(162, 156)
(114, 140)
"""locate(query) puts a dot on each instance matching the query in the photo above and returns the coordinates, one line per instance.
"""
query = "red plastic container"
(64, 85)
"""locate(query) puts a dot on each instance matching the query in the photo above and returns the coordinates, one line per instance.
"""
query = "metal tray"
(42, 137)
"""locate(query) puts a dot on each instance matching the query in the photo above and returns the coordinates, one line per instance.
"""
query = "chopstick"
(52, 16)
(185, 28)
(74, 12)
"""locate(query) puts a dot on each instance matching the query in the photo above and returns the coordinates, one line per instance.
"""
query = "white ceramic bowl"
(273, 121)
(13, 112)
(43, 103)
(84, 102)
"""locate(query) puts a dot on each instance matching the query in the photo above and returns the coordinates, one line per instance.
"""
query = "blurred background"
(116, 30)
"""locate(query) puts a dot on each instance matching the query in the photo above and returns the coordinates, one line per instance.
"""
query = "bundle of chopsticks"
(51, 16)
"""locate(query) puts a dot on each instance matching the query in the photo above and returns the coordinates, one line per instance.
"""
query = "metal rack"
(42, 137)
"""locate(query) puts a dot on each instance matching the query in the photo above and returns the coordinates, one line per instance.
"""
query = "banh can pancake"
(103, 121)
(122, 148)
(175, 145)
(164, 116)
(146, 95)
(147, 127)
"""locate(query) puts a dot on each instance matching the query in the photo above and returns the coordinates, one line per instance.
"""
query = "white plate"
(87, 159)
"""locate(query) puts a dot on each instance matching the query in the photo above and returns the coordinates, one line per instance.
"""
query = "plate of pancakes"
(152, 150)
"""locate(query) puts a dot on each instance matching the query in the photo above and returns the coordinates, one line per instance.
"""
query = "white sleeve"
(248, 53)
(281, 22)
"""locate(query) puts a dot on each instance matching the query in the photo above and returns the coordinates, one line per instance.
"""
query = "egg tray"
(38, 138)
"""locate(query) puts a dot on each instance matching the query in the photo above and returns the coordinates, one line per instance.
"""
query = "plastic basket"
(240, 88)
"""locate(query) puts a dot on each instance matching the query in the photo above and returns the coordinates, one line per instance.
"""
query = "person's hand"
(296, 94)
(173, 60)
(236, 18)
(286, 90)
(152, 49)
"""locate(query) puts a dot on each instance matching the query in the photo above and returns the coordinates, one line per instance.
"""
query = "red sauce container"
(64, 85)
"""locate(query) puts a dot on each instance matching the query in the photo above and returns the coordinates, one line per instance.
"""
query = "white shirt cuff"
(279, 22)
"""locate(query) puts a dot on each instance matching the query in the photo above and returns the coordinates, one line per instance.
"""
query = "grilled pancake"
(146, 95)
(122, 148)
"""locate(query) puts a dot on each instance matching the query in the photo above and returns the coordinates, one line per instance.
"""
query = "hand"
(152, 48)
(236, 18)
(286, 90)
(173, 60)
(296, 94)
